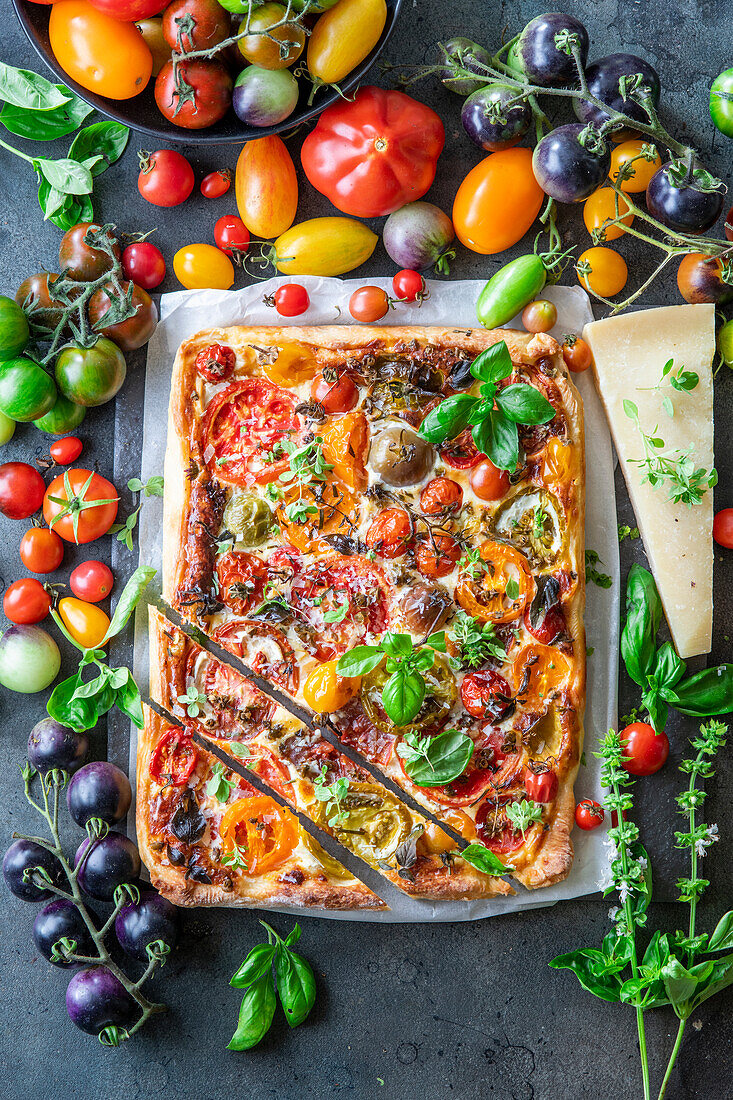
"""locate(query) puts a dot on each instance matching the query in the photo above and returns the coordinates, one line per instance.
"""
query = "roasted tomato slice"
(264, 648)
(267, 766)
(244, 428)
(494, 828)
(491, 768)
(258, 834)
(325, 509)
(216, 363)
(174, 758)
(486, 694)
(353, 590)
(533, 437)
(461, 453)
(500, 590)
(234, 709)
(345, 446)
(541, 673)
(356, 730)
(241, 578)
(548, 627)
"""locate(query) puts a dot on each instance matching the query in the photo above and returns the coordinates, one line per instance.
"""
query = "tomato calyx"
(74, 504)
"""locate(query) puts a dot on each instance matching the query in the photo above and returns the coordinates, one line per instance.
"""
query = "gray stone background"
(403, 1012)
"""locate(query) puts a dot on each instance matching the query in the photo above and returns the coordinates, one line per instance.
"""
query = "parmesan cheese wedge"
(630, 352)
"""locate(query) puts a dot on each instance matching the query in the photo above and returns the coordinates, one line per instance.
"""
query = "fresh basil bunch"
(494, 415)
(404, 692)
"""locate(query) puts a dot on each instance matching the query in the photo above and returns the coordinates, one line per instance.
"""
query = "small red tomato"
(390, 533)
(21, 490)
(92, 581)
(41, 550)
(539, 316)
(339, 394)
(486, 694)
(577, 354)
(216, 183)
(589, 814)
(65, 451)
(548, 626)
(26, 601)
(723, 528)
(645, 751)
(166, 177)
(409, 286)
(540, 786)
(231, 236)
(437, 556)
(441, 496)
(368, 304)
(143, 264)
(461, 453)
(487, 481)
(291, 300)
(216, 363)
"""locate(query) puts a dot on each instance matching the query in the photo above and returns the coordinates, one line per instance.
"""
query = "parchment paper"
(450, 303)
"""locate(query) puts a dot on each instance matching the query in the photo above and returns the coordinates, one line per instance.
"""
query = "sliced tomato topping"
(234, 708)
(244, 428)
(259, 832)
(490, 769)
(242, 579)
(486, 694)
(263, 647)
(494, 828)
(216, 363)
(499, 590)
(461, 453)
(173, 758)
(356, 730)
(339, 601)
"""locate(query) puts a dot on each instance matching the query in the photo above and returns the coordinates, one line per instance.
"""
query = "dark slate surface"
(403, 1012)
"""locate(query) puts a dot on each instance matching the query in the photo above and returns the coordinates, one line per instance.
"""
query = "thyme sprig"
(687, 483)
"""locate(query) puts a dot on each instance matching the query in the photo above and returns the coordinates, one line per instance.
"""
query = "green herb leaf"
(360, 660)
(500, 442)
(29, 90)
(65, 175)
(643, 615)
(257, 963)
(435, 761)
(706, 693)
(48, 125)
(255, 1014)
(104, 139)
(523, 814)
(524, 404)
(448, 419)
(296, 985)
(590, 968)
(219, 787)
(484, 860)
(131, 595)
(722, 937)
(591, 573)
(494, 364)
(403, 695)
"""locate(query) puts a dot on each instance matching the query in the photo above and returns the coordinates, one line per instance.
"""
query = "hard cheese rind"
(630, 352)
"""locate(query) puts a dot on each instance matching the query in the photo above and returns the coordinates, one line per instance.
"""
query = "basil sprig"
(483, 859)
(404, 692)
(494, 415)
(659, 672)
(435, 761)
(294, 983)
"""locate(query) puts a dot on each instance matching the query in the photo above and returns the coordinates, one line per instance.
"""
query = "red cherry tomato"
(437, 557)
(143, 264)
(409, 286)
(291, 300)
(645, 751)
(723, 528)
(540, 786)
(231, 235)
(26, 601)
(548, 626)
(589, 814)
(41, 550)
(216, 183)
(216, 363)
(577, 355)
(337, 395)
(368, 304)
(92, 581)
(390, 533)
(166, 178)
(485, 694)
(441, 496)
(487, 481)
(65, 451)
(21, 490)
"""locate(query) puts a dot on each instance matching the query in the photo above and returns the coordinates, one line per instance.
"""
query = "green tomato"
(721, 102)
(248, 518)
(63, 417)
(26, 391)
(14, 331)
(7, 429)
(725, 343)
(508, 291)
(91, 376)
(29, 659)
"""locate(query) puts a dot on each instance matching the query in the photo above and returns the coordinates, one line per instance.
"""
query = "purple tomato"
(99, 790)
(96, 999)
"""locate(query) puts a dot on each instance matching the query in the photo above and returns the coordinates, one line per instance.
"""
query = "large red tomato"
(129, 11)
(341, 599)
(373, 154)
(80, 505)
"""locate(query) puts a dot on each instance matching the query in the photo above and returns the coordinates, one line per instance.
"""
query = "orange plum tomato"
(497, 202)
(202, 266)
(101, 53)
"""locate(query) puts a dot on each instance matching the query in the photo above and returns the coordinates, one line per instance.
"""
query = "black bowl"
(141, 112)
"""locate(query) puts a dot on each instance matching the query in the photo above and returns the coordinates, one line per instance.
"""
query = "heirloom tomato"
(133, 332)
(390, 533)
(190, 25)
(577, 354)
(325, 691)
(345, 446)
(86, 623)
(165, 179)
(262, 830)
(324, 246)
(645, 751)
(152, 33)
(266, 186)
(337, 393)
(343, 37)
(541, 786)
(173, 758)
(437, 556)
(291, 300)
(231, 236)
(486, 694)
(128, 11)
(21, 490)
(216, 183)
(90, 376)
(65, 451)
(241, 578)
(202, 266)
(368, 303)
(245, 425)
(723, 528)
(80, 505)
(91, 581)
(14, 330)
(271, 49)
(642, 169)
(26, 601)
(79, 259)
(294, 364)
(322, 590)
(101, 53)
(589, 814)
(441, 497)
(500, 590)
(41, 550)
(702, 278)
(600, 208)
(541, 673)
(144, 263)
(497, 202)
(26, 391)
(602, 270)
(208, 100)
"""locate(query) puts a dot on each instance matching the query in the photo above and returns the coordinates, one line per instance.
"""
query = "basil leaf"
(493, 364)
(37, 125)
(680, 985)
(448, 419)
(446, 756)
(72, 211)
(65, 708)
(437, 641)
(29, 90)
(104, 139)
(128, 601)
(668, 669)
(589, 967)
(705, 694)
(257, 963)
(402, 696)
(293, 935)
(359, 660)
(657, 707)
(500, 443)
(524, 404)
(129, 702)
(296, 985)
(255, 1014)
(397, 645)
(643, 613)
(424, 660)
(720, 977)
(722, 937)
(65, 175)
(484, 860)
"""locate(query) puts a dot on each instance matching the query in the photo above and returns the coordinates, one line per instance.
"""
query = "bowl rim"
(182, 136)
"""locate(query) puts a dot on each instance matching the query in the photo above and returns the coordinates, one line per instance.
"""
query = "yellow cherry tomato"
(99, 52)
(86, 623)
(326, 691)
(343, 36)
(497, 202)
(643, 169)
(324, 246)
(294, 364)
(201, 266)
(607, 271)
(435, 840)
(601, 208)
(264, 49)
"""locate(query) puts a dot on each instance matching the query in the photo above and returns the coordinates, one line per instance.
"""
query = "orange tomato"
(558, 462)
(497, 202)
(86, 623)
(345, 445)
(331, 503)
(295, 364)
(277, 49)
(201, 266)
(643, 169)
(540, 673)
(607, 272)
(326, 691)
(601, 208)
(266, 186)
(264, 832)
(483, 592)
(100, 53)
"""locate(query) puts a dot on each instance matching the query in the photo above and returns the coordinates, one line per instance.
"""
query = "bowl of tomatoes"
(209, 71)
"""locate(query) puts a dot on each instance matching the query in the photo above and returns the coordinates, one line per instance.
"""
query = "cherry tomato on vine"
(201, 266)
(291, 300)
(643, 169)
(67, 450)
(21, 490)
(81, 261)
(368, 304)
(337, 394)
(231, 235)
(26, 601)
(166, 177)
(409, 286)
(216, 183)
(487, 481)
(80, 505)
(589, 814)
(701, 278)
(539, 316)
(190, 25)
(600, 208)
(540, 786)
(92, 581)
(86, 623)
(721, 102)
(41, 550)
(606, 272)
(645, 751)
(723, 528)
(576, 353)
(143, 264)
